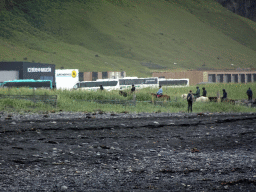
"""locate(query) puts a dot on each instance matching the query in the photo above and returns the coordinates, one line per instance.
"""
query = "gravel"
(128, 152)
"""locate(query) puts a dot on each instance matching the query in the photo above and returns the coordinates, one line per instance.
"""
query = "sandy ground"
(128, 152)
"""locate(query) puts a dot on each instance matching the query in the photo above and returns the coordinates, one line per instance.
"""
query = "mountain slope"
(137, 36)
(245, 8)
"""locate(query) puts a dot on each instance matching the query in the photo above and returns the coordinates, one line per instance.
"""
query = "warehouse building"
(26, 70)
(196, 77)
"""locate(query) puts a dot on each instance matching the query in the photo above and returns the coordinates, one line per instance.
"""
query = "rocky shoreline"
(102, 115)
(128, 152)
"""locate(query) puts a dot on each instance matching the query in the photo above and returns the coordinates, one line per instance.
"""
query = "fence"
(114, 102)
(47, 99)
(126, 102)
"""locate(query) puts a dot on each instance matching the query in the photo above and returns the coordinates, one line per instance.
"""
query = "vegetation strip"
(81, 101)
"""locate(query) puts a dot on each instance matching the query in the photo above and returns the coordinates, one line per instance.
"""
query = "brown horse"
(167, 97)
(215, 99)
(122, 93)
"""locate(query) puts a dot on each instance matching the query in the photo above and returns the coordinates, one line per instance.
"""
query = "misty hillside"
(136, 36)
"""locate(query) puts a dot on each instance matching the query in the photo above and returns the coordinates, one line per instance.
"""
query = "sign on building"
(66, 78)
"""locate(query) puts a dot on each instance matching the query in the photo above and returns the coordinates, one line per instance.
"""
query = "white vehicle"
(173, 82)
(139, 83)
(107, 84)
(127, 82)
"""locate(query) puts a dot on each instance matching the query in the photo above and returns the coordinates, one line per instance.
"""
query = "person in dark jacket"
(249, 94)
(197, 94)
(101, 88)
(204, 92)
(190, 100)
(225, 95)
(132, 89)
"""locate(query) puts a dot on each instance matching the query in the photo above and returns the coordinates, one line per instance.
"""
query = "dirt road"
(114, 152)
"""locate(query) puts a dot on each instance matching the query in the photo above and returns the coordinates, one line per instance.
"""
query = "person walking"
(132, 89)
(159, 92)
(204, 92)
(249, 94)
(225, 95)
(190, 100)
(101, 88)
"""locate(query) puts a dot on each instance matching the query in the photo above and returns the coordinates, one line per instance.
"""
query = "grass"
(84, 101)
(136, 36)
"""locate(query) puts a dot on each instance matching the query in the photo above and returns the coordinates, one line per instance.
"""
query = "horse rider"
(197, 94)
(159, 92)
(204, 92)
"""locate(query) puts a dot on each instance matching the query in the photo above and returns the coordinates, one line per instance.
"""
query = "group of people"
(197, 94)
(191, 95)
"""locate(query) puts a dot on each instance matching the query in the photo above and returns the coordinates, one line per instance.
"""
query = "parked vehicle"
(127, 82)
(31, 83)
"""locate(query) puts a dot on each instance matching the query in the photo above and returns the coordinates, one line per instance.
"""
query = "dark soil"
(159, 152)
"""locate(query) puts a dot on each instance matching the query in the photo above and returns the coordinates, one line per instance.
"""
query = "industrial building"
(196, 77)
(26, 70)
(93, 76)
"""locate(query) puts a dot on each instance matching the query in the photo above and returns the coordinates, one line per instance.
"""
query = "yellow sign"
(74, 74)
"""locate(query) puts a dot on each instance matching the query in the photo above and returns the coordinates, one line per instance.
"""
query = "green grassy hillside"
(136, 36)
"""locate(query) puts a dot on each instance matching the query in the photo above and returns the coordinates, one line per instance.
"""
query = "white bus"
(116, 84)
(173, 82)
(139, 83)
(127, 82)
(108, 84)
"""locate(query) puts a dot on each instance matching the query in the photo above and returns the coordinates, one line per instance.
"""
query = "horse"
(231, 101)
(184, 96)
(122, 93)
(202, 99)
(167, 97)
(215, 99)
